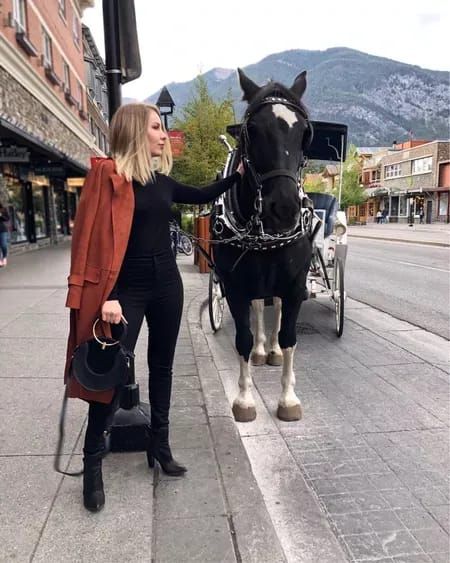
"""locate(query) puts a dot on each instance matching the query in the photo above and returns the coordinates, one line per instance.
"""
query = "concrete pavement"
(362, 477)
(435, 234)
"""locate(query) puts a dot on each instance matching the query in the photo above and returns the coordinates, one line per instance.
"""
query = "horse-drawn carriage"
(268, 238)
(328, 223)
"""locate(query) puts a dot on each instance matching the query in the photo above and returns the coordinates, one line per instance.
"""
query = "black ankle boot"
(159, 449)
(93, 493)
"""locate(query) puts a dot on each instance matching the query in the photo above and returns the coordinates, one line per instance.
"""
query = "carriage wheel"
(339, 296)
(185, 244)
(216, 302)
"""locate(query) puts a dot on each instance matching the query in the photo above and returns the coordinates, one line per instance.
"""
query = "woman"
(122, 266)
(4, 235)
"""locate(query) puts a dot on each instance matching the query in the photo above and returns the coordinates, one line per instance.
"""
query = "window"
(47, 56)
(62, 8)
(40, 205)
(20, 15)
(392, 171)
(76, 30)
(422, 165)
(66, 77)
(80, 96)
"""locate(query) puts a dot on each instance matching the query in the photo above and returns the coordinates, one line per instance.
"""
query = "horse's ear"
(248, 86)
(299, 86)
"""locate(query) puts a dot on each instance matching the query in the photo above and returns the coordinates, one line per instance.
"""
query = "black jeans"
(148, 287)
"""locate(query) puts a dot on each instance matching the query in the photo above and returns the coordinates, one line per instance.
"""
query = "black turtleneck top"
(150, 233)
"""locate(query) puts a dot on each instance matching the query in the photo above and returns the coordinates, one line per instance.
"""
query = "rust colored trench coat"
(99, 242)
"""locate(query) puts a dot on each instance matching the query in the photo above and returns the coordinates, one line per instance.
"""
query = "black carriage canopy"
(329, 140)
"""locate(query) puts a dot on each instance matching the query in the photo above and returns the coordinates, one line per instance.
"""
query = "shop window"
(16, 208)
(371, 208)
(40, 211)
(402, 205)
(443, 204)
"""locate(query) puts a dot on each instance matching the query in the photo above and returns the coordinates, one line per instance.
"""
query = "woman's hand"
(112, 312)
(240, 168)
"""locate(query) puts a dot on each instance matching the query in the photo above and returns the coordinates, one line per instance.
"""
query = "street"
(408, 281)
(362, 477)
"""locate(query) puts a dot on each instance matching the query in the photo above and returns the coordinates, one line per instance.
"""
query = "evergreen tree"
(352, 192)
(202, 121)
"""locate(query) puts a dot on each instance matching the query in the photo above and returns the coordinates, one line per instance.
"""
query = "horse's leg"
(289, 406)
(275, 356)
(244, 405)
(258, 356)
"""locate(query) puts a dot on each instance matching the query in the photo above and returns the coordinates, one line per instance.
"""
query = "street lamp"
(411, 210)
(165, 104)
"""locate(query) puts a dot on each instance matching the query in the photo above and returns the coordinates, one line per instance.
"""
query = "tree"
(314, 184)
(202, 121)
(352, 191)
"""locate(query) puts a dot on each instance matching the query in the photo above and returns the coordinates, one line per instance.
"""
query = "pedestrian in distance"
(4, 235)
(379, 216)
(384, 215)
(421, 215)
(122, 267)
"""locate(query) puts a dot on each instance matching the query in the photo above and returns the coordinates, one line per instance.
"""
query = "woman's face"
(157, 137)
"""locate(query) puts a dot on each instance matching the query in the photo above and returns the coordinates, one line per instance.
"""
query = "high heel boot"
(159, 449)
(93, 493)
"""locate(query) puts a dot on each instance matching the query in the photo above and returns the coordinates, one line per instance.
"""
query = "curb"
(426, 242)
(253, 533)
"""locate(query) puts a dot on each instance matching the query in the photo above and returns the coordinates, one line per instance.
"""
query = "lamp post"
(411, 210)
(165, 104)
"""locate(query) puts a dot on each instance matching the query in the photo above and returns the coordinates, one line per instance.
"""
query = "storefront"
(34, 187)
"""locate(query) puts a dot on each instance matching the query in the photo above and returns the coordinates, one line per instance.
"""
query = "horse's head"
(275, 133)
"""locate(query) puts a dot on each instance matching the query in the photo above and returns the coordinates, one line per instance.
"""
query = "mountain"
(379, 99)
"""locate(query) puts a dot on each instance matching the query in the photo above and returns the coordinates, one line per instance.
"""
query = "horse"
(263, 241)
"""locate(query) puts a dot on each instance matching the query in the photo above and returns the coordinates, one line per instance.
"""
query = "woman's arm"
(188, 194)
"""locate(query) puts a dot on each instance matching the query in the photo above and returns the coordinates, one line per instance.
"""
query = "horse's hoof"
(242, 414)
(274, 359)
(258, 359)
(289, 414)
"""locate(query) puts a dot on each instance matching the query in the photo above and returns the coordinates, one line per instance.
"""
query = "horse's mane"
(277, 90)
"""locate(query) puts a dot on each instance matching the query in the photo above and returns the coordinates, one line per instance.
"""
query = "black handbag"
(99, 364)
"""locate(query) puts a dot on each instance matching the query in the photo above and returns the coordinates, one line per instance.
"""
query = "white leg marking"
(288, 397)
(245, 398)
(259, 335)
(274, 346)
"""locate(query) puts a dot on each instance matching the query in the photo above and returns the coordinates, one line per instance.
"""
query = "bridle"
(252, 236)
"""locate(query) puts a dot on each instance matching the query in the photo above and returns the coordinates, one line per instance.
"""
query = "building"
(416, 175)
(97, 92)
(45, 116)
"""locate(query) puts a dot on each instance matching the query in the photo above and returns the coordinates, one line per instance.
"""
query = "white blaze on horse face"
(285, 113)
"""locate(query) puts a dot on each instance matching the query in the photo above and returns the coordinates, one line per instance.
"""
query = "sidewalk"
(362, 477)
(435, 234)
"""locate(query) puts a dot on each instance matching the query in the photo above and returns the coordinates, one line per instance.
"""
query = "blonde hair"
(129, 144)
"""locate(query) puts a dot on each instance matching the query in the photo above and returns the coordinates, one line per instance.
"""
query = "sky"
(180, 39)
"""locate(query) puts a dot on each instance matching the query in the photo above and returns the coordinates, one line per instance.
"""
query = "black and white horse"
(265, 248)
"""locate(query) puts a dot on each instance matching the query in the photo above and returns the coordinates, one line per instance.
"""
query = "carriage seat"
(330, 204)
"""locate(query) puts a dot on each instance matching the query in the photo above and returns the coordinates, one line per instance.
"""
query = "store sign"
(14, 154)
(54, 170)
(176, 142)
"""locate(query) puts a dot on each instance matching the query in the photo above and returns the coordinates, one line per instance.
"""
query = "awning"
(8, 130)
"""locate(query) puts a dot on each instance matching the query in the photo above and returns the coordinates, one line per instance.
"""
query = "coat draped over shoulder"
(99, 242)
